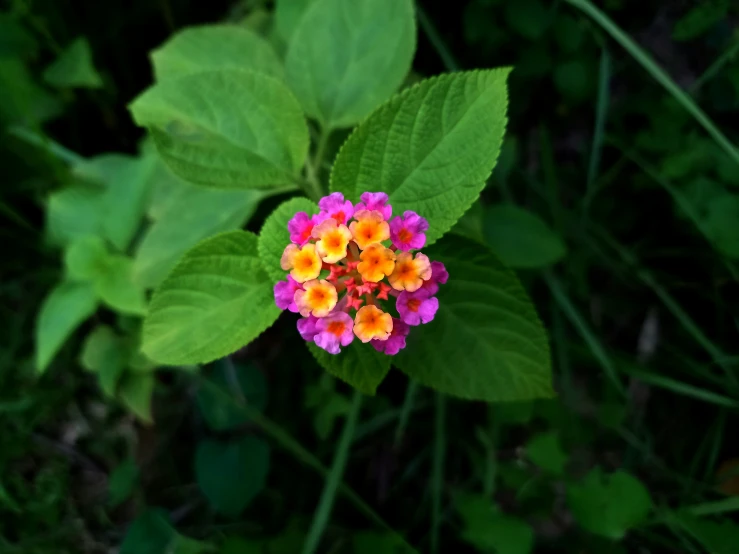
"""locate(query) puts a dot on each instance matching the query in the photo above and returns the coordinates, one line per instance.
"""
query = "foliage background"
(631, 270)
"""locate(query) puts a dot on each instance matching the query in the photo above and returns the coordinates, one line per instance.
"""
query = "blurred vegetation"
(614, 199)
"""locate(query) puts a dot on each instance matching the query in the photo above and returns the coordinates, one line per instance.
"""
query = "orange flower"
(318, 298)
(372, 323)
(304, 262)
(333, 240)
(369, 228)
(377, 261)
(409, 274)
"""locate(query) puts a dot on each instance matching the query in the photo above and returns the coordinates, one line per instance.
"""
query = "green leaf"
(237, 545)
(226, 128)
(431, 147)
(470, 225)
(530, 18)
(575, 79)
(489, 530)
(609, 505)
(106, 354)
(85, 259)
(287, 16)
(721, 223)
(122, 481)
(117, 289)
(74, 212)
(700, 19)
(486, 341)
(358, 364)
(216, 300)
(63, 310)
(717, 537)
(231, 474)
(74, 68)
(328, 404)
(240, 383)
(345, 58)
(520, 238)
(368, 542)
(135, 392)
(190, 215)
(545, 451)
(209, 47)
(24, 101)
(274, 236)
(151, 533)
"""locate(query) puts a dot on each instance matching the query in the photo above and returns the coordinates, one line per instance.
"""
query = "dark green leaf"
(74, 68)
(122, 481)
(136, 390)
(358, 364)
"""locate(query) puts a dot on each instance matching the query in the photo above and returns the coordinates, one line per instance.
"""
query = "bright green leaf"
(135, 391)
(489, 530)
(217, 299)
(63, 310)
(287, 16)
(74, 212)
(122, 481)
(106, 354)
(545, 451)
(210, 47)
(231, 474)
(190, 215)
(431, 147)
(237, 382)
(226, 128)
(85, 259)
(358, 364)
(74, 68)
(117, 289)
(609, 505)
(486, 341)
(520, 238)
(274, 236)
(345, 58)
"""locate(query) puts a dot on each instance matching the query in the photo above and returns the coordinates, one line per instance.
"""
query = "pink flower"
(336, 207)
(333, 330)
(417, 307)
(439, 274)
(375, 201)
(307, 327)
(300, 227)
(285, 294)
(395, 342)
(408, 232)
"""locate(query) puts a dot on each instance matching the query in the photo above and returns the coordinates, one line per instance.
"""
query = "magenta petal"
(285, 294)
(412, 228)
(395, 342)
(376, 201)
(336, 207)
(300, 228)
(307, 328)
(423, 309)
(329, 342)
(439, 274)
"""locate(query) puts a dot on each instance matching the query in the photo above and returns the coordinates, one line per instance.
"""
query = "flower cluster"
(339, 261)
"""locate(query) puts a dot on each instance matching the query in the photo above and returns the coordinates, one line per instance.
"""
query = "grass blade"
(405, 412)
(712, 508)
(601, 112)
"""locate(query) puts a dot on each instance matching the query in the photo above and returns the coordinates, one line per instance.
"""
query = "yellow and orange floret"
(339, 260)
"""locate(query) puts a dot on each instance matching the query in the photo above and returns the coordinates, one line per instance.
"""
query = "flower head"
(333, 238)
(377, 262)
(304, 262)
(369, 228)
(343, 274)
(334, 206)
(417, 307)
(408, 232)
(318, 298)
(409, 273)
(333, 330)
(372, 323)
(396, 341)
(375, 201)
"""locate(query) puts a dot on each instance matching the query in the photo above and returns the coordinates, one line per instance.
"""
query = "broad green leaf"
(135, 392)
(211, 47)
(117, 289)
(345, 58)
(74, 212)
(700, 19)
(609, 505)
(190, 215)
(15, 39)
(717, 536)
(721, 223)
(226, 128)
(106, 354)
(231, 474)
(122, 481)
(486, 341)
(470, 225)
(287, 16)
(431, 147)
(274, 237)
(24, 101)
(358, 364)
(63, 310)
(489, 530)
(545, 451)
(74, 68)
(86, 258)
(151, 533)
(216, 300)
(234, 381)
(520, 238)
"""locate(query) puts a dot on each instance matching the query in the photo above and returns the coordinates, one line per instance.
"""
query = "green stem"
(313, 167)
(717, 65)
(45, 143)
(601, 111)
(435, 39)
(405, 412)
(323, 512)
(437, 475)
(658, 74)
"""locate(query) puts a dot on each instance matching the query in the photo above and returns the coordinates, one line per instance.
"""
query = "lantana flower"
(352, 268)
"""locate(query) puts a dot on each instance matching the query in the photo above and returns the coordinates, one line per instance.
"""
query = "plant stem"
(323, 512)
(436, 41)
(313, 167)
(601, 111)
(410, 397)
(437, 475)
